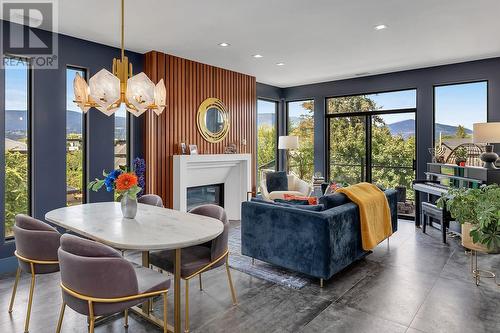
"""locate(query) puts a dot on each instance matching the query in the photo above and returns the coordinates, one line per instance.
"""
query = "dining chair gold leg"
(30, 299)
(14, 289)
(91, 317)
(165, 321)
(233, 292)
(201, 286)
(186, 316)
(61, 316)
(125, 315)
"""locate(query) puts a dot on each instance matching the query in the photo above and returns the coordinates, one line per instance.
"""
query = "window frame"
(84, 136)
(456, 83)
(368, 118)
(276, 126)
(29, 144)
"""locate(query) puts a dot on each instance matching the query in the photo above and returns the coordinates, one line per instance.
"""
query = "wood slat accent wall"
(188, 84)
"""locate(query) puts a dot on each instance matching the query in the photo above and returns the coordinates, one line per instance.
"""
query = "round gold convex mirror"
(213, 120)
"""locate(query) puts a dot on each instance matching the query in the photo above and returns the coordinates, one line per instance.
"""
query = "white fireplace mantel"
(232, 170)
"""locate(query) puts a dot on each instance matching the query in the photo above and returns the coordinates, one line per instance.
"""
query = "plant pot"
(460, 161)
(129, 207)
(468, 243)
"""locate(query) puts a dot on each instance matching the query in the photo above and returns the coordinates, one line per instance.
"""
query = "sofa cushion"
(334, 200)
(297, 204)
(276, 181)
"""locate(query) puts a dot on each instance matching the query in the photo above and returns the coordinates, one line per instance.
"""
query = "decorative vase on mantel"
(129, 207)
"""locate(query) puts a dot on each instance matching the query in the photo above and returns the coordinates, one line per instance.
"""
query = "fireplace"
(206, 194)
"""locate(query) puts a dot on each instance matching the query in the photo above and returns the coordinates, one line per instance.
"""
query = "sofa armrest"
(263, 189)
(286, 236)
(303, 187)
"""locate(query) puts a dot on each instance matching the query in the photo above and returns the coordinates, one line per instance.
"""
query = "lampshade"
(486, 132)
(288, 142)
(140, 92)
(105, 91)
(81, 90)
(160, 97)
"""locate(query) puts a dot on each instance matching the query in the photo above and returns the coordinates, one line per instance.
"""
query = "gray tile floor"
(418, 285)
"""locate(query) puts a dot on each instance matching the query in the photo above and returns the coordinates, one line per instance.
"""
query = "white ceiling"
(318, 40)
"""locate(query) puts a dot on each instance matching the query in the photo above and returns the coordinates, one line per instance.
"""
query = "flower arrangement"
(125, 183)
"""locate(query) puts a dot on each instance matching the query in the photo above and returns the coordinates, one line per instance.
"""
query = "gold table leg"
(177, 292)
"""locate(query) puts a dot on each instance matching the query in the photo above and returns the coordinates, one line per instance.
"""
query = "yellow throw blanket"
(374, 210)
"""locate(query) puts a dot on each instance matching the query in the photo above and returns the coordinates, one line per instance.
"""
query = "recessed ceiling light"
(380, 27)
(280, 64)
(224, 44)
(257, 56)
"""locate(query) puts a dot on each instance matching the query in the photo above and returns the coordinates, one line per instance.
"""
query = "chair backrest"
(35, 239)
(151, 199)
(219, 244)
(94, 269)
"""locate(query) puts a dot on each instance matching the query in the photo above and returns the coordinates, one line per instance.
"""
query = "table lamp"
(287, 143)
(487, 133)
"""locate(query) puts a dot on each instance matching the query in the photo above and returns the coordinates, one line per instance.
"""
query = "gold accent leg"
(146, 306)
(233, 292)
(14, 289)
(321, 283)
(177, 291)
(91, 317)
(125, 315)
(30, 300)
(165, 302)
(201, 286)
(61, 316)
(186, 311)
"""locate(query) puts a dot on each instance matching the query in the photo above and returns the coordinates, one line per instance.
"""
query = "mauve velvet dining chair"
(36, 251)
(200, 258)
(97, 281)
(151, 199)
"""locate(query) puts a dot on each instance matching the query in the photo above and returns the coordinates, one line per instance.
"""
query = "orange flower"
(126, 181)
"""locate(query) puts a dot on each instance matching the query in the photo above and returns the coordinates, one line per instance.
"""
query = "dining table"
(154, 228)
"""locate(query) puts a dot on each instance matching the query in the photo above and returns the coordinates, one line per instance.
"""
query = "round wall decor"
(213, 120)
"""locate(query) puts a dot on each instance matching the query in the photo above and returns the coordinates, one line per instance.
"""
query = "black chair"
(429, 212)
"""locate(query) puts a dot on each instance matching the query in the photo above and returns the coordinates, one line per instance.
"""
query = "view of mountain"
(15, 123)
(407, 128)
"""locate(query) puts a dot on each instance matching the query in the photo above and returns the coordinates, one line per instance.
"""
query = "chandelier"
(107, 91)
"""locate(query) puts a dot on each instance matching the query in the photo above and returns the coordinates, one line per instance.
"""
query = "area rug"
(261, 269)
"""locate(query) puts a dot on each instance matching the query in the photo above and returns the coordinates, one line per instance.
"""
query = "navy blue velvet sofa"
(316, 243)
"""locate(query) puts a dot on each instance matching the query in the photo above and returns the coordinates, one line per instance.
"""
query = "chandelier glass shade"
(107, 91)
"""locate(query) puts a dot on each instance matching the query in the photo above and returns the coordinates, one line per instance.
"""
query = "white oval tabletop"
(154, 228)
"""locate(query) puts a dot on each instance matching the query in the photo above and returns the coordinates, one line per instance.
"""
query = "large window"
(456, 108)
(300, 116)
(17, 142)
(121, 135)
(372, 138)
(266, 136)
(75, 143)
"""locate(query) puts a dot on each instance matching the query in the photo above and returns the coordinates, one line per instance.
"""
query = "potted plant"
(461, 156)
(478, 211)
(126, 184)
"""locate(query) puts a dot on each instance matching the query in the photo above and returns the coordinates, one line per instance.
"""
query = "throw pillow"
(311, 200)
(276, 181)
(334, 200)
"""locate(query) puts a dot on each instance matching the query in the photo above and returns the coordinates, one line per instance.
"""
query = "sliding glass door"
(372, 138)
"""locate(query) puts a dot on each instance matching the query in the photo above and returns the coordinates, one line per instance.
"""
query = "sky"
(459, 104)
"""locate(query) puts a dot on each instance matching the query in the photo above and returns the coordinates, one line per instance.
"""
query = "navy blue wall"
(423, 80)
(49, 130)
